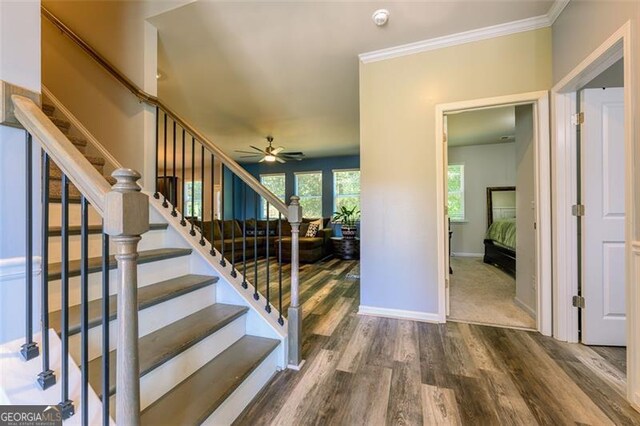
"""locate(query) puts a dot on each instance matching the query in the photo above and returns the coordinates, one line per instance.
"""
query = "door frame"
(542, 180)
(563, 103)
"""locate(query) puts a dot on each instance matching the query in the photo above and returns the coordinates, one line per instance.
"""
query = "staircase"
(198, 362)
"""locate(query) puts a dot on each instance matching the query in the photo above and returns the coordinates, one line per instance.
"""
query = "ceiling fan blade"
(250, 156)
(257, 149)
(261, 160)
(277, 150)
(245, 152)
(280, 160)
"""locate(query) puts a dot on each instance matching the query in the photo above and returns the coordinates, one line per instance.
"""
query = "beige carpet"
(484, 294)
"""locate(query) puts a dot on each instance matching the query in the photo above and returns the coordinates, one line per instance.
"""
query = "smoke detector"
(380, 17)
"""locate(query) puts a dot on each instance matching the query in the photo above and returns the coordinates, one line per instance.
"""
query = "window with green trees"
(275, 183)
(346, 189)
(455, 181)
(193, 205)
(309, 189)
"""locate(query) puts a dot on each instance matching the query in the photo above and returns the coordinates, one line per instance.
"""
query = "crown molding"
(556, 9)
(514, 27)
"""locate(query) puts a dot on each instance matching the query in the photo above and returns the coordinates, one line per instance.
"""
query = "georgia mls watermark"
(30, 415)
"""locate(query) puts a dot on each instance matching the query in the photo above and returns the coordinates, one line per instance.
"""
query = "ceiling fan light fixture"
(270, 158)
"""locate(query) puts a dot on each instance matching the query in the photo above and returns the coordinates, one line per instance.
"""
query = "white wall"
(525, 209)
(19, 65)
(399, 247)
(484, 166)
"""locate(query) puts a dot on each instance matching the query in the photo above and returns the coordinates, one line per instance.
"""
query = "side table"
(346, 249)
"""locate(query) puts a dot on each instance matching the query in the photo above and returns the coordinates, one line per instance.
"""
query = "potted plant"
(347, 218)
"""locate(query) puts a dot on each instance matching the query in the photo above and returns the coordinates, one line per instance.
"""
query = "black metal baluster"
(47, 377)
(174, 193)
(156, 195)
(244, 236)
(164, 178)
(30, 348)
(233, 226)
(202, 241)
(105, 328)
(183, 222)
(192, 232)
(280, 319)
(66, 405)
(212, 252)
(256, 200)
(223, 262)
(84, 310)
(267, 307)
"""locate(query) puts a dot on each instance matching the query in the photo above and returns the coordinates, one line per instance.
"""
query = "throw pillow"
(312, 231)
(319, 222)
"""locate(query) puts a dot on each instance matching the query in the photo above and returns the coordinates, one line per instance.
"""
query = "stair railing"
(203, 156)
(125, 215)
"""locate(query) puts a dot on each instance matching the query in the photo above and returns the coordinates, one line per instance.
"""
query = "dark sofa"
(311, 249)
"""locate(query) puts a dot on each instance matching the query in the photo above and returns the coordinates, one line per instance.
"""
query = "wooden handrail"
(64, 154)
(143, 96)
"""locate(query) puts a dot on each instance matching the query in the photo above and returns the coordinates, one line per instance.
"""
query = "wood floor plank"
(406, 345)
(331, 319)
(358, 345)
(439, 406)
(405, 391)
(368, 397)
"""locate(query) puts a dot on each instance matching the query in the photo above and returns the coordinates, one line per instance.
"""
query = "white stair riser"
(150, 240)
(75, 217)
(164, 378)
(244, 394)
(149, 320)
(148, 273)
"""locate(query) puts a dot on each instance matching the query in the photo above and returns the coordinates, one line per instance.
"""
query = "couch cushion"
(305, 243)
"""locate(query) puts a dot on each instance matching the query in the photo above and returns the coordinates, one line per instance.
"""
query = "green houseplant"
(348, 219)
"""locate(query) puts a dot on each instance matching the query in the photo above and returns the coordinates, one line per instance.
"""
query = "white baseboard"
(467, 254)
(16, 267)
(525, 307)
(399, 314)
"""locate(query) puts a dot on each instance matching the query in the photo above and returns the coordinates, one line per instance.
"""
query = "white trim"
(540, 101)
(621, 44)
(470, 36)
(355, 169)
(454, 254)
(524, 307)
(556, 9)
(16, 267)
(91, 140)
(399, 314)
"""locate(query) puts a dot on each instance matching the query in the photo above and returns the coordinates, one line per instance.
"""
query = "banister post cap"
(295, 210)
(126, 211)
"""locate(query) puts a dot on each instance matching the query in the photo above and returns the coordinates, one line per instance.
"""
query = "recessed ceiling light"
(380, 17)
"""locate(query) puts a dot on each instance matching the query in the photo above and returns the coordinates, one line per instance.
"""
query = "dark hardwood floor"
(363, 370)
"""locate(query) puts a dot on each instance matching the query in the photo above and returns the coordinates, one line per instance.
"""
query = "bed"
(500, 238)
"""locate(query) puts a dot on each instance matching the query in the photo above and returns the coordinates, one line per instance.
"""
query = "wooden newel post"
(295, 312)
(126, 217)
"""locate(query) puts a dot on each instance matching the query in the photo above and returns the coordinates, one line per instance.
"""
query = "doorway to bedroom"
(490, 190)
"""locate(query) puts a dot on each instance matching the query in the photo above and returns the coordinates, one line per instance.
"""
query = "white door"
(603, 187)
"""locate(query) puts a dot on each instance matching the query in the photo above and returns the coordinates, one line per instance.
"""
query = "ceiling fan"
(271, 154)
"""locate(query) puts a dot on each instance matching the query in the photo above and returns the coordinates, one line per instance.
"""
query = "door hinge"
(578, 302)
(577, 210)
(577, 119)
(446, 282)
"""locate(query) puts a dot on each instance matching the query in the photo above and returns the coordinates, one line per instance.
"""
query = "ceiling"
(481, 127)
(242, 70)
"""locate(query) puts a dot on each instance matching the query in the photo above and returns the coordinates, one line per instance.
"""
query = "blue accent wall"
(326, 165)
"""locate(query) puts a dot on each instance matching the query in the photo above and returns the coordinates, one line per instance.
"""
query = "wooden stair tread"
(160, 346)
(95, 263)
(148, 296)
(61, 123)
(48, 109)
(55, 231)
(199, 395)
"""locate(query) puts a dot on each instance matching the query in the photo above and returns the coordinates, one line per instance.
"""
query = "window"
(455, 182)
(346, 189)
(194, 203)
(276, 184)
(309, 189)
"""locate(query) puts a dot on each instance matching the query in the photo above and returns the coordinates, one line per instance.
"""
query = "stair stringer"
(228, 289)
